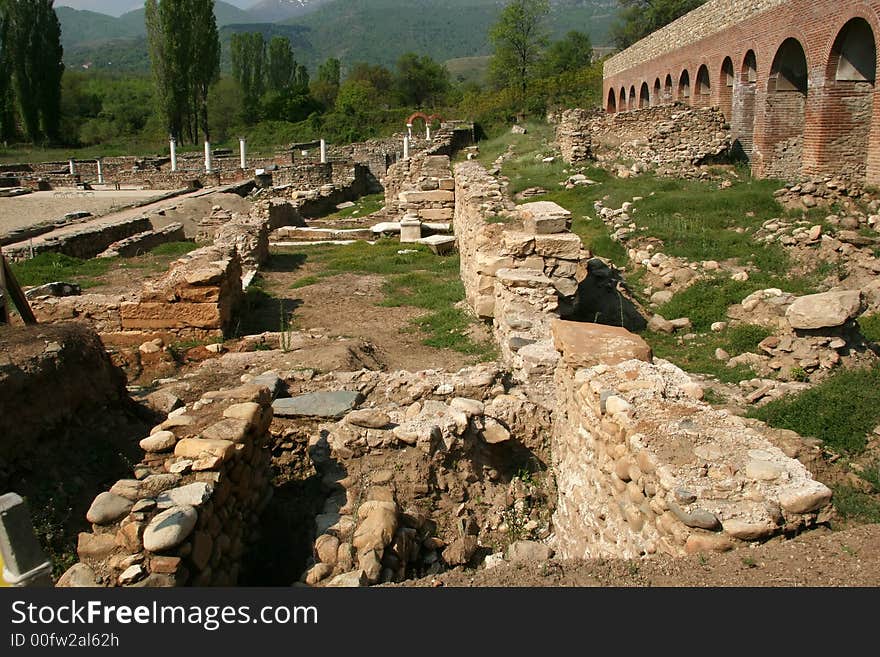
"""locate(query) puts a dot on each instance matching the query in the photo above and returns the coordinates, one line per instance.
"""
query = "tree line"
(31, 69)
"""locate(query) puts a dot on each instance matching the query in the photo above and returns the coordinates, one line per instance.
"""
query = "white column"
(72, 165)
(323, 152)
(409, 130)
(242, 147)
(427, 132)
(100, 171)
(208, 164)
(173, 155)
(406, 147)
(24, 562)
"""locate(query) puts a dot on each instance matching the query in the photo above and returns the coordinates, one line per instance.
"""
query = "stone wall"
(574, 135)
(644, 467)
(190, 510)
(86, 242)
(422, 186)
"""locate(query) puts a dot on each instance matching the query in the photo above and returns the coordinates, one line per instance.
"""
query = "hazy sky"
(119, 7)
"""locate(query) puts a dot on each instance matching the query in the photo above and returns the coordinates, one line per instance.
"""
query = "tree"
(281, 67)
(639, 18)
(325, 87)
(7, 122)
(50, 65)
(184, 48)
(518, 38)
(420, 81)
(248, 59)
(572, 53)
(205, 60)
(376, 76)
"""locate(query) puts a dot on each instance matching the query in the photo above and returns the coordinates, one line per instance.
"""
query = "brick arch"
(644, 96)
(657, 98)
(846, 104)
(785, 111)
(621, 106)
(668, 89)
(633, 103)
(611, 107)
(726, 83)
(684, 87)
(702, 93)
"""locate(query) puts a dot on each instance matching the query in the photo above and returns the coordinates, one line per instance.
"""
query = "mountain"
(107, 7)
(275, 11)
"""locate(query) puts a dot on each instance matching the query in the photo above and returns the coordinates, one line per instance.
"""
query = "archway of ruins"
(703, 95)
(684, 87)
(644, 96)
(656, 99)
(612, 102)
(725, 88)
(785, 113)
(632, 98)
(742, 124)
(667, 89)
(428, 121)
(622, 104)
(846, 104)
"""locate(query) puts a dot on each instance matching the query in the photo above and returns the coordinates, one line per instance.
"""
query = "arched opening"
(786, 112)
(667, 89)
(656, 98)
(742, 125)
(632, 98)
(725, 88)
(622, 104)
(612, 102)
(644, 96)
(703, 88)
(684, 87)
(847, 104)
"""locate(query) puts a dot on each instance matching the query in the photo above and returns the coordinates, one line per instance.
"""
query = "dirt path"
(348, 306)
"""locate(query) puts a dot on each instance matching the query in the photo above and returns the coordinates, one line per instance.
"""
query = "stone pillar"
(428, 131)
(410, 229)
(72, 165)
(409, 130)
(209, 168)
(242, 147)
(323, 152)
(24, 563)
(406, 147)
(173, 155)
(100, 171)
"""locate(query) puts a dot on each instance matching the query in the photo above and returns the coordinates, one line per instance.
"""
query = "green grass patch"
(52, 267)
(853, 504)
(174, 249)
(870, 326)
(841, 410)
(698, 355)
(364, 206)
(305, 281)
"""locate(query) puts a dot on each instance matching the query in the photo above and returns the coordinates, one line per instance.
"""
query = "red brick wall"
(835, 129)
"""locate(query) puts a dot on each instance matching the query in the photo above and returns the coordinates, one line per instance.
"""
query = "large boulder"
(825, 310)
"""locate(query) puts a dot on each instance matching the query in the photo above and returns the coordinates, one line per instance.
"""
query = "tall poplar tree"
(248, 51)
(204, 60)
(50, 65)
(7, 123)
(281, 66)
(519, 37)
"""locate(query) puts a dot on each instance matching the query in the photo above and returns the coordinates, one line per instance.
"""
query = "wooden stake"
(16, 294)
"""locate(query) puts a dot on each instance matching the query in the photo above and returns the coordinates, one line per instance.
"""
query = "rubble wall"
(186, 516)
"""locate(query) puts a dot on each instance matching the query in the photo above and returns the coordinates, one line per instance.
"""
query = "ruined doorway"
(725, 89)
(703, 97)
(742, 123)
(644, 96)
(684, 87)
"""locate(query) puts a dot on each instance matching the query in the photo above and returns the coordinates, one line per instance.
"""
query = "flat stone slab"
(585, 345)
(387, 227)
(331, 405)
(439, 244)
(825, 310)
(523, 278)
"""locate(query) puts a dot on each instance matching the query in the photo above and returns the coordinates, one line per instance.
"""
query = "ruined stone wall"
(739, 43)
(190, 510)
(644, 467)
(423, 186)
(574, 135)
(84, 243)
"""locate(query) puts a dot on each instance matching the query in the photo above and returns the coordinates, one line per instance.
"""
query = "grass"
(853, 504)
(870, 327)
(52, 267)
(841, 410)
(305, 281)
(364, 206)
(698, 355)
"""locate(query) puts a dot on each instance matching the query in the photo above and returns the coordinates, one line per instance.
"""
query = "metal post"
(208, 164)
(24, 562)
(173, 155)
(242, 147)
(100, 171)
(323, 152)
